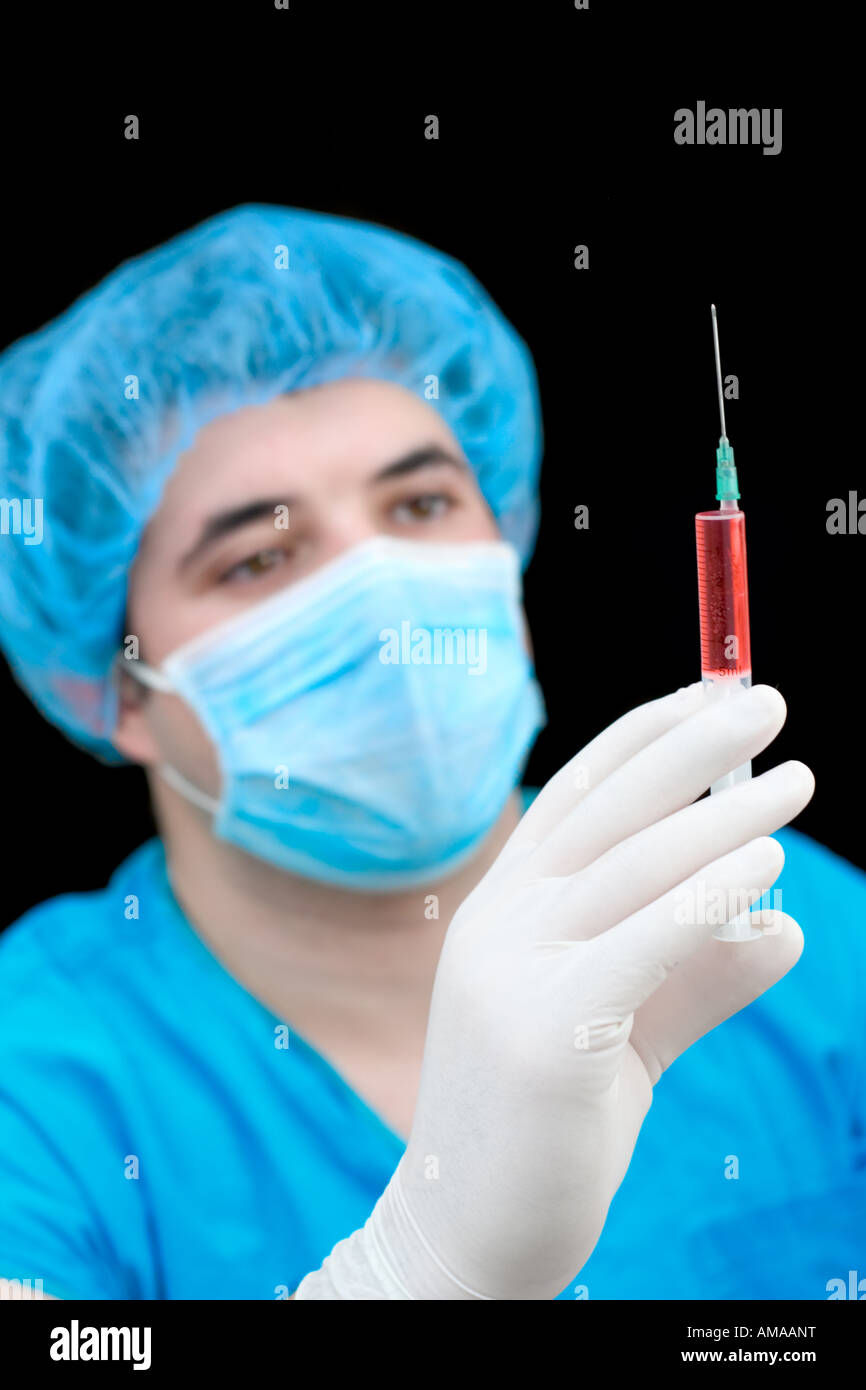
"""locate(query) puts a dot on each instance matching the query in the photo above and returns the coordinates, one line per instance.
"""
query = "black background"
(545, 142)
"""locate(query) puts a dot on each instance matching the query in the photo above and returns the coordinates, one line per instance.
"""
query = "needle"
(724, 438)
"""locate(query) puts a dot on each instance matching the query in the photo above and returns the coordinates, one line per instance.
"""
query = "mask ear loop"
(179, 782)
(156, 680)
(147, 675)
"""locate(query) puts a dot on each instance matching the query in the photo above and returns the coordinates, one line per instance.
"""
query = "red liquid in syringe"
(723, 594)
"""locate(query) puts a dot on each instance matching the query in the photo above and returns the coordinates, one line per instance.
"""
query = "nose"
(348, 527)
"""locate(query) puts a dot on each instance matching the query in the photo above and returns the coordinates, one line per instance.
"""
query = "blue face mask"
(371, 719)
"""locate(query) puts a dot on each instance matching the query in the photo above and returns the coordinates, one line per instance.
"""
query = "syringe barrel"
(719, 690)
(723, 595)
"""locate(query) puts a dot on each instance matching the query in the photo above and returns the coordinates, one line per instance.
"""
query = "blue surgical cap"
(97, 406)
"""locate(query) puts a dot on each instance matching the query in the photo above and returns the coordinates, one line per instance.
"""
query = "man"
(289, 467)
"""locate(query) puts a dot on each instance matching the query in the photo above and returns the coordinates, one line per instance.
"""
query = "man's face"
(350, 460)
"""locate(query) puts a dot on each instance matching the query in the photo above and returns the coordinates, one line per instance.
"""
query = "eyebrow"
(233, 518)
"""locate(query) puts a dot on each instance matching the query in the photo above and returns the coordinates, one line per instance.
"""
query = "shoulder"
(69, 1095)
(65, 1075)
(52, 946)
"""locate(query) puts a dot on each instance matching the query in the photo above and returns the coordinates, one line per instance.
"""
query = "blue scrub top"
(156, 1142)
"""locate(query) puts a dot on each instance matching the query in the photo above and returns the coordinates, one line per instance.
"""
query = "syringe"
(723, 597)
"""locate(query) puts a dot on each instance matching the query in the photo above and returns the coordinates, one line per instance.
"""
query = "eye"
(254, 566)
(427, 506)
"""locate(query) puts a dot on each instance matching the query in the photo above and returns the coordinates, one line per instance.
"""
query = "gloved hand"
(570, 978)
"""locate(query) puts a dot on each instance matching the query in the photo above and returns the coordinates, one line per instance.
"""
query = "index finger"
(607, 752)
(604, 754)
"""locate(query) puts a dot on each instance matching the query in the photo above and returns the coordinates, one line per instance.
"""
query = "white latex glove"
(568, 982)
